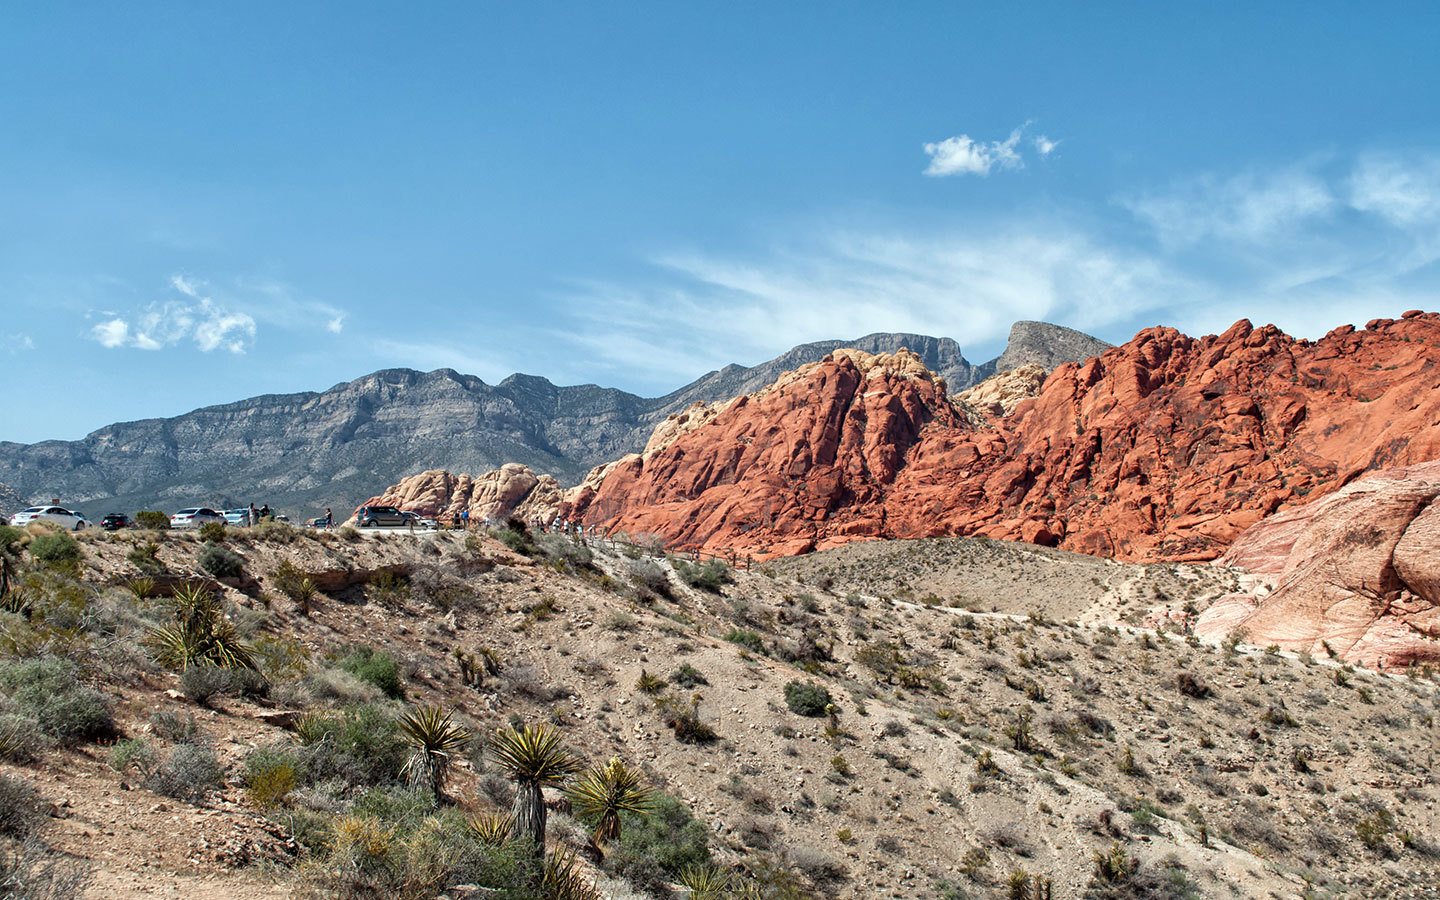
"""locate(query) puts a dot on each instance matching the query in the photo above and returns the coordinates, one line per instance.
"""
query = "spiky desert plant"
(603, 793)
(706, 882)
(533, 758)
(200, 635)
(561, 878)
(142, 588)
(434, 742)
(490, 828)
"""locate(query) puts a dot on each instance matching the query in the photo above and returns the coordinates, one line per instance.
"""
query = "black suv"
(370, 516)
(115, 521)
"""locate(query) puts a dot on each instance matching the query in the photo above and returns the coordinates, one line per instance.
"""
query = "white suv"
(71, 521)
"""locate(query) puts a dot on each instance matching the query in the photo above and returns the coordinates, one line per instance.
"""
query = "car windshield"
(35, 509)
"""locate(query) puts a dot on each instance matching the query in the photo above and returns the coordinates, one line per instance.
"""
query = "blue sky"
(202, 202)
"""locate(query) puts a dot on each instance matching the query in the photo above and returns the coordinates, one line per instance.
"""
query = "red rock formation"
(1165, 447)
(509, 490)
(1356, 570)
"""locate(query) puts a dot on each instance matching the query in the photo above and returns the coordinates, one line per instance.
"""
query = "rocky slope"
(300, 452)
(511, 490)
(1166, 447)
(1353, 574)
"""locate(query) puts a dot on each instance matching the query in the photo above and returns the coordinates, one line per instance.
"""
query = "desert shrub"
(359, 746)
(516, 536)
(190, 773)
(11, 539)
(28, 869)
(432, 584)
(684, 719)
(649, 575)
(565, 554)
(806, 698)
(177, 728)
(203, 683)
(1192, 685)
(133, 753)
(220, 561)
(747, 639)
(271, 773)
(152, 519)
(688, 677)
(49, 692)
(375, 667)
(199, 634)
(655, 849)
(710, 575)
(275, 532)
(146, 558)
(20, 812)
(213, 532)
(20, 740)
(55, 548)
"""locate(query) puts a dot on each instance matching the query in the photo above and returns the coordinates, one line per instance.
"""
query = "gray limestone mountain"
(300, 452)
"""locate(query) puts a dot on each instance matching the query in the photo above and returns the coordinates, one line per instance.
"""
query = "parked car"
(237, 516)
(419, 520)
(194, 517)
(115, 521)
(59, 515)
(370, 516)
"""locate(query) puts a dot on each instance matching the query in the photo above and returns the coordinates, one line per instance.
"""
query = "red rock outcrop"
(1358, 570)
(511, 490)
(1167, 447)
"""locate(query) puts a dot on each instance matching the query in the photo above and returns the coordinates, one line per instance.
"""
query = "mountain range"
(334, 448)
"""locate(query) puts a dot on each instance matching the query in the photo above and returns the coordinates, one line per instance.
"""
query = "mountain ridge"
(311, 449)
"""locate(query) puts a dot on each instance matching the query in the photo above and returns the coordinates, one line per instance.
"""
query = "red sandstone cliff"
(1166, 447)
(511, 490)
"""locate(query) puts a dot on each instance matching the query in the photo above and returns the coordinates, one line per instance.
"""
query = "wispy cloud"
(1044, 145)
(1306, 246)
(18, 342)
(196, 318)
(962, 155)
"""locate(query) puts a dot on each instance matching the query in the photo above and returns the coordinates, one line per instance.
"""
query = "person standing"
(329, 517)
(465, 519)
(253, 517)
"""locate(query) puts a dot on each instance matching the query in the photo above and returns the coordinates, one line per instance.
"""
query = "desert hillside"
(948, 718)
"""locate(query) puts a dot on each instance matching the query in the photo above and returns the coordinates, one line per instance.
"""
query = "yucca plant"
(490, 828)
(200, 635)
(603, 793)
(142, 588)
(435, 741)
(561, 878)
(707, 882)
(533, 758)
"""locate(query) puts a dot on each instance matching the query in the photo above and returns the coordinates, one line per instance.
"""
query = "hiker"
(253, 517)
(465, 518)
(329, 518)
(265, 512)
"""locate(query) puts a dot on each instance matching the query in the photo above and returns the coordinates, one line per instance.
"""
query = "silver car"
(59, 515)
(194, 517)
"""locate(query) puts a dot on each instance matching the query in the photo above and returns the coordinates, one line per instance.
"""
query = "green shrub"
(20, 813)
(133, 753)
(747, 639)
(807, 698)
(565, 554)
(650, 576)
(271, 773)
(710, 575)
(275, 532)
(191, 772)
(152, 519)
(177, 728)
(49, 691)
(377, 668)
(517, 540)
(202, 683)
(213, 532)
(688, 677)
(219, 561)
(654, 849)
(55, 548)
(11, 539)
(359, 746)
(146, 558)
(20, 739)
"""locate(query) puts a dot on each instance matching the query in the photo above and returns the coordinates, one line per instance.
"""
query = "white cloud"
(336, 324)
(111, 333)
(1252, 206)
(18, 343)
(1404, 192)
(960, 155)
(197, 318)
(1305, 247)
(1044, 145)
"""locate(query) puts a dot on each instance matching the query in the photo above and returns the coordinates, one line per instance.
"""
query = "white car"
(194, 517)
(237, 516)
(71, 521)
